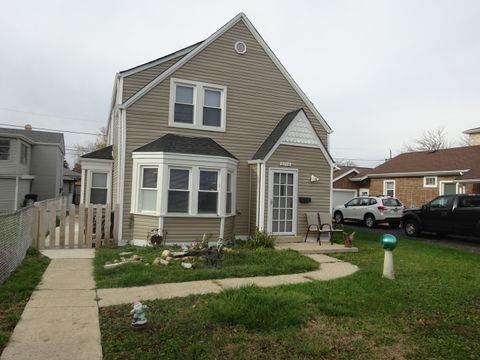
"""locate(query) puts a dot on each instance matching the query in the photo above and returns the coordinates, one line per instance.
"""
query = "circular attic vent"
(240, 47)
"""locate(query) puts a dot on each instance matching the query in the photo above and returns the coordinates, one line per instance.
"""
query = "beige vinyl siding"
(258, 96)
(308, 161)
(229, 229)
(253, 199)
(142, 225)
(187, 229)
(134, 82)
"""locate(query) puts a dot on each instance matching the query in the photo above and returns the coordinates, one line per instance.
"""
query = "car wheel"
(394, 224)
(411, 227)
(369, 221)
(338, 217)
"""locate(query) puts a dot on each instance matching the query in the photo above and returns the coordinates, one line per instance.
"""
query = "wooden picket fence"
(67, 226)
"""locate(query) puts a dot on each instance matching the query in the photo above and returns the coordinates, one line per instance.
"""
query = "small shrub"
(260, 240)
(258, 309)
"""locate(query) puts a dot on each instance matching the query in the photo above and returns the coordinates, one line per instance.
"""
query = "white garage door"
(340, 197)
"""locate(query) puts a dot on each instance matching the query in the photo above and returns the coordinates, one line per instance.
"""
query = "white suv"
(371, 210)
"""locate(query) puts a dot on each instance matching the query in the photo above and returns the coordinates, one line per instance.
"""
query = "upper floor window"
(24, 154)
(197, 105)
(4, 149)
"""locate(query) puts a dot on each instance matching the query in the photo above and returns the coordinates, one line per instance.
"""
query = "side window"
(353, 202)
(440, 203)
(372, 202)
(364, 202)
(470, 201)
(4, 149)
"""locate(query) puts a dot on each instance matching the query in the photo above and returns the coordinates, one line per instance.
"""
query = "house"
(31, 162)
(344, 189)
(70, 187)
(214, 138)
(417, 177)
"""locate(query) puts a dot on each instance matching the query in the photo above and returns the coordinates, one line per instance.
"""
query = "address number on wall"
(285, 163)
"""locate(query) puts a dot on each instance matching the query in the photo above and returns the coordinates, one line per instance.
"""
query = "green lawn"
(16, 290)
(242, 263)
(431, 311)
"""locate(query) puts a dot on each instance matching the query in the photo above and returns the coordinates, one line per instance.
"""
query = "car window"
(364, 201)
(440, 203)
(353, 202)
(470, 201)
(391, 202)
(373, 201)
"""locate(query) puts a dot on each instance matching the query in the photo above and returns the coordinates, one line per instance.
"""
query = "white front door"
(282, 200)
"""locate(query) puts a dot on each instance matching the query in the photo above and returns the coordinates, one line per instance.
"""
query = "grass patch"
(243, 263)
(16, 290)
(431, 311)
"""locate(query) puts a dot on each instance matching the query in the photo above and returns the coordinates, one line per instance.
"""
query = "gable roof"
(343, 171)
(70, 175)
(454, 160)
(472, 131)
(160, 60)
(100, 154)
(172, 143)
(35, 136)
(208, 41)
(275, 135)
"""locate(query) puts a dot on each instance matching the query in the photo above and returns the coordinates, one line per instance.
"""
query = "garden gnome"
(389, 242)
(139, 319)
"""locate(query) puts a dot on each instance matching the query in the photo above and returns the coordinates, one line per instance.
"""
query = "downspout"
(257, 218)
(15, 204)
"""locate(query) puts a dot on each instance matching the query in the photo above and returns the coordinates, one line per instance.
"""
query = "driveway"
(460, 242)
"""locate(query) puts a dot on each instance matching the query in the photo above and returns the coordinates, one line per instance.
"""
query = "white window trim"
(189, 190)
(90, 166)
(194, 163)
(198, 103)
(385, 187)
(427, 185)
(364, 190)
(140, 183)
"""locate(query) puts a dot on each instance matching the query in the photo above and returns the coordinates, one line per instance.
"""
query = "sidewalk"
(330, 268)
(61, 319)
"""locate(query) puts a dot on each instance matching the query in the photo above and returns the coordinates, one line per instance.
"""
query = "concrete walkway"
(330, 268)
(61, 319)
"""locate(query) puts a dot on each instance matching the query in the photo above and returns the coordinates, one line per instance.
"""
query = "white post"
(388, 271)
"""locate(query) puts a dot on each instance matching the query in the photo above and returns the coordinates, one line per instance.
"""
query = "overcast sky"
(380, 72)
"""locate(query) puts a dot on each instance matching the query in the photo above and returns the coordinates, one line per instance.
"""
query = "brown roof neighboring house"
(455, 161)
(353, 171)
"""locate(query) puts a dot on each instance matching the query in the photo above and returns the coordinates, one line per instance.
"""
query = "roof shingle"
(101, 154)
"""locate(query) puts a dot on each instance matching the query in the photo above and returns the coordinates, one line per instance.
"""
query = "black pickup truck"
(448, 214)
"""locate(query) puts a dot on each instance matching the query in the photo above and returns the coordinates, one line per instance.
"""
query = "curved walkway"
(330, 268)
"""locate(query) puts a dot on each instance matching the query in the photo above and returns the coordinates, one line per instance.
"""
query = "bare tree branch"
(431, 140)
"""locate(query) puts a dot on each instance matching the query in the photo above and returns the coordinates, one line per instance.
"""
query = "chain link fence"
(15, 238)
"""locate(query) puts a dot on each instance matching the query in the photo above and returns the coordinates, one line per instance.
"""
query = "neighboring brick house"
(417, 177)
(343, 188)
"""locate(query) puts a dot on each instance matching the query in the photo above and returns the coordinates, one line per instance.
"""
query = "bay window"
(148, 189)
(208, 192)
(197, 105)
(178, 191)
(98, 189)
(228, 207)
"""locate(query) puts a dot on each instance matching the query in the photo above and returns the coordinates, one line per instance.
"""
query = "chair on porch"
(326, 226)
(313, 224)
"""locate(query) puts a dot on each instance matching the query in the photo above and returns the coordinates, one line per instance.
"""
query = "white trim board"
(211, 39)
(345, 174)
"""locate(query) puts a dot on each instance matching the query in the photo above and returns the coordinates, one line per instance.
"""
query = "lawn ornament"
(389, 243)
(139, 319)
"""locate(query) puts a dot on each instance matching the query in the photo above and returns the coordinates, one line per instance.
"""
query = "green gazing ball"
(388, 241)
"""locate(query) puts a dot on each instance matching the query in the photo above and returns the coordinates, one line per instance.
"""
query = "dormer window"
(197, 105)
